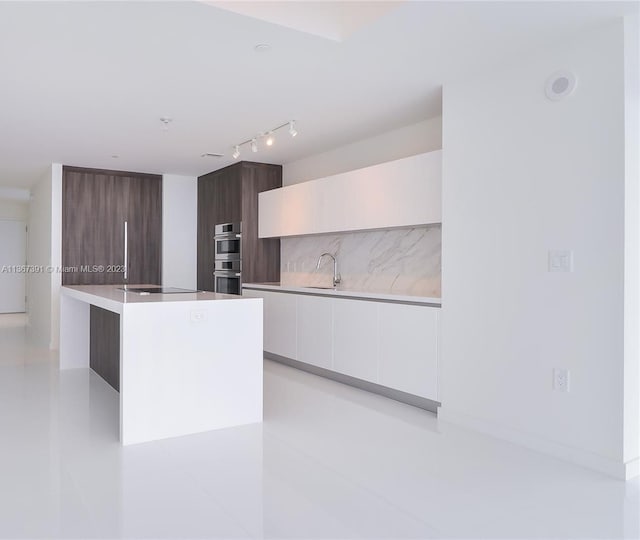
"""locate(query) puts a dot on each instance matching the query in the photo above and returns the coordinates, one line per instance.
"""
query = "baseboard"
(610, 467)
(397, 395)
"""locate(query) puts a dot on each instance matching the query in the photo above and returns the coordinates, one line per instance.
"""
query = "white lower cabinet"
(315, 331)
(409, 349)
(355, 338)
(393, 345)
(279, 320)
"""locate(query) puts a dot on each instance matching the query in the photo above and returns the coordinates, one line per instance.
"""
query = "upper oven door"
(228, 248)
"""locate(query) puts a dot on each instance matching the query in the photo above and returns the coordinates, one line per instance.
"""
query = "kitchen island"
(188, 362)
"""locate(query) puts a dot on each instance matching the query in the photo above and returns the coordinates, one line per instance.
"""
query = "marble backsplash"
(403, 261)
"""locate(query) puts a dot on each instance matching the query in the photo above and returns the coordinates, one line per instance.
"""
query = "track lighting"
(267, 136)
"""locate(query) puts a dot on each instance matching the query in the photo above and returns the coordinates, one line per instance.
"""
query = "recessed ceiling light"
(262, 47)
(165, 122)
(115, 156)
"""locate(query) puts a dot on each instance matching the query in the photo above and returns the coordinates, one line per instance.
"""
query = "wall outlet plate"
(560, 260)
(197, 315)
(561, 379)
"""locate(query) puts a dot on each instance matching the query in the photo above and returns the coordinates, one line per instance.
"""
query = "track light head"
(263, 137)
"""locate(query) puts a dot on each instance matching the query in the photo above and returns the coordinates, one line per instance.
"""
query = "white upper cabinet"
(401, 193)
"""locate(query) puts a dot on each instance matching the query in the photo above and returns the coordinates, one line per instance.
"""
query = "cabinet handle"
(126, 251)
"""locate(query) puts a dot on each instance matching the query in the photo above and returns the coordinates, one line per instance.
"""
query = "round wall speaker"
(559, 85)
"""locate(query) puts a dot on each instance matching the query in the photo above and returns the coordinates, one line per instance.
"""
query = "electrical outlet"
(198, 315)
(560, 260)
(561, 380)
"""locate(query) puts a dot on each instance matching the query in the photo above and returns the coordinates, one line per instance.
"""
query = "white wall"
(407, 141)
(522, 175)
(10, 209)
(39, 254)
(56, 252)
(44, 251)
(632, 238)
(179, 230)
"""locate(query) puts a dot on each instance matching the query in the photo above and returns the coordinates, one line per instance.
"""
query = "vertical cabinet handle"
(126, 252)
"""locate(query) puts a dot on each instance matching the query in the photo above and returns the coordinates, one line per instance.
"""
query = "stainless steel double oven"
(227, 272)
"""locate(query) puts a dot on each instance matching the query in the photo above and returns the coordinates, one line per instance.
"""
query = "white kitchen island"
(188, 362)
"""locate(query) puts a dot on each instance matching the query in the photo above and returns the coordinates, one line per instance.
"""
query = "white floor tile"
(329, 461)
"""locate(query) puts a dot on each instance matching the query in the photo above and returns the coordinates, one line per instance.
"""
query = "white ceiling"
(331, 20)
(82, 81)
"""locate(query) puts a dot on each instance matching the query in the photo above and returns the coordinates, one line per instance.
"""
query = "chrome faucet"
(336, 276)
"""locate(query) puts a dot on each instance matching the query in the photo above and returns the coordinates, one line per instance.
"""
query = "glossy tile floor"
(328, 462)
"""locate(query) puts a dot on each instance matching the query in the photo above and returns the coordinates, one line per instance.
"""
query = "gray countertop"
(338, 292)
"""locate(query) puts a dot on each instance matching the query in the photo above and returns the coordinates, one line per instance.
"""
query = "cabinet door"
(144, 227)
(400, 193)
(279, 321)
(315, 331)
(96, 204)
(94, 208)
(409, 349)
(219, 201)
(260, 257)
(355, 335)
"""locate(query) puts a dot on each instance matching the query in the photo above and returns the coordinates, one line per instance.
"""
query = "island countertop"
(113, 297)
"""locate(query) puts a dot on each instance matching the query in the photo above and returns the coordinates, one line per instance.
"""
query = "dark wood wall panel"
(205, 234)
(90, 203)
(231, 195)
(262, 262)
(96, 204)
(145, 230)
(219, 201)
(104, 335)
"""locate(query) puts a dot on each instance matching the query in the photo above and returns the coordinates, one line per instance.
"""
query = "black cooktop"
(156, 290)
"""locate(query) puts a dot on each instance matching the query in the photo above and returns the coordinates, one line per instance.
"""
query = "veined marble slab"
(397, 261)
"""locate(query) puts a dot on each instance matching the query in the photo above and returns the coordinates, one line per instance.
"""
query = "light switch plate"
(560, 260)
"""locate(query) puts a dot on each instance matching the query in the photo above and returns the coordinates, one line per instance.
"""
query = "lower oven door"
(227, 282)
